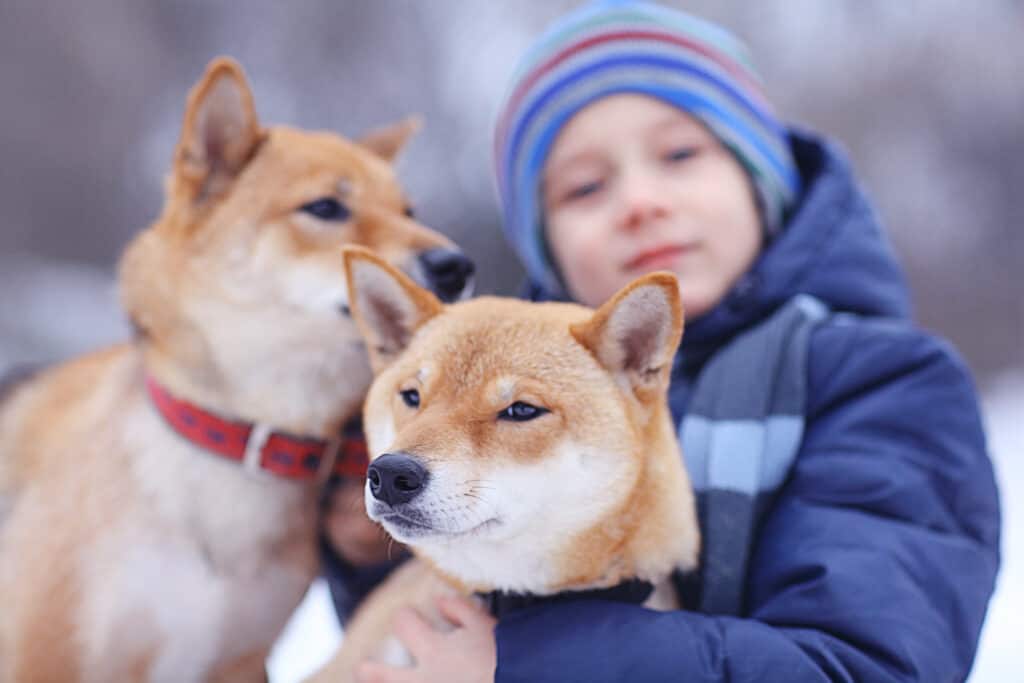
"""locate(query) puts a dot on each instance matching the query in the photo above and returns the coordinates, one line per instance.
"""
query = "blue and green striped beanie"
(618, 46)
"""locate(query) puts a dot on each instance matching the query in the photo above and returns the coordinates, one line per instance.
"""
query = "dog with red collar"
(149, 491)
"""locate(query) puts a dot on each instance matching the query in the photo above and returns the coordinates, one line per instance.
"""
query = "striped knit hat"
(617, 46)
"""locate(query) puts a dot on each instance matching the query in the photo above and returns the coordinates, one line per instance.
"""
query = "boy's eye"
(521, 412)
(583, 190)
(327, 209)
(411, 398)
(680, 154)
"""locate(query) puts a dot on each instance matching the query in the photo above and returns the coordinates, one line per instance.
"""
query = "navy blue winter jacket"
(876, 560)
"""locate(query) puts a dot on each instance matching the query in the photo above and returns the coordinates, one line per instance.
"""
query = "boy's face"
(633, 185)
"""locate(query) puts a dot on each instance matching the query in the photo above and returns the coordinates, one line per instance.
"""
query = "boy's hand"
(467, 654)
(359, 540)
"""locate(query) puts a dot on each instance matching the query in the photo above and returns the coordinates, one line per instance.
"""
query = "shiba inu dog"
(158, 500)
(523, 451)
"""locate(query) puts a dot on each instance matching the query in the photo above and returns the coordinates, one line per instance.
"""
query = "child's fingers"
(415, 632)
(464, 612)
(375, 672)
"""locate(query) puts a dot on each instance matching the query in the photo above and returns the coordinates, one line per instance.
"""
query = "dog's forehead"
(326, 151)
(495, 342)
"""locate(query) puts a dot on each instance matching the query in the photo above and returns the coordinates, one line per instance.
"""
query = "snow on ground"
(308, 640)
(999, 655)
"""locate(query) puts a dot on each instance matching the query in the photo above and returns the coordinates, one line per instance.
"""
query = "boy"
(847, 501)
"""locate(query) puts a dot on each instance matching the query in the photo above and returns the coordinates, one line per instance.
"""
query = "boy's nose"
(643, 201)
(448, 272)
(396, 478)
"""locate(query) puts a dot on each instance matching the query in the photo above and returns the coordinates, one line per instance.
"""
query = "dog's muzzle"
(449, 273)
(396, 478)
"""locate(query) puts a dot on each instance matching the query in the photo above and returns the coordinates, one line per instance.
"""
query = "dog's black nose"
(448, 272)
(396, 478)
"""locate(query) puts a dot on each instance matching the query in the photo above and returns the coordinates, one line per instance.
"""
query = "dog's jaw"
(409, 529)
(503, 536)
(507, 539)
(276, 371)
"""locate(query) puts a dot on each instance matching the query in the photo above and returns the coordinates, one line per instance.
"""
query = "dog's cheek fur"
(379, 426)
(315, 286)
(146, 285)
(542, 507)
(381, 418)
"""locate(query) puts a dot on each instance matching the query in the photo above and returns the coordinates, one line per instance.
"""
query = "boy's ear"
(219, 134)
(635, 334)
(387, 305)
(387, 141)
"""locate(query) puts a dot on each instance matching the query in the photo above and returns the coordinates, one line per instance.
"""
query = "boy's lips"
(662, 256)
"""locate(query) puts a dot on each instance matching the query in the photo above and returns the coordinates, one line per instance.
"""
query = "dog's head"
(241, 276)
(525, 446)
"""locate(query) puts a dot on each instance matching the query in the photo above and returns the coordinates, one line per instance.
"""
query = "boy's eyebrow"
(581, 157)
(672, 121)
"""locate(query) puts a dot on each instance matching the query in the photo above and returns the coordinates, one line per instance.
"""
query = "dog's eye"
(521, 412)
(409, 212)
(327, 209)
(411, 397)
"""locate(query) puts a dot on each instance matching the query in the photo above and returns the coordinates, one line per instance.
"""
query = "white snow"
(999, 655)
(310, 638)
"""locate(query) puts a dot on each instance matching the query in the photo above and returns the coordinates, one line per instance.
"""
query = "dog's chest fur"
(199, 565)
(180, 560)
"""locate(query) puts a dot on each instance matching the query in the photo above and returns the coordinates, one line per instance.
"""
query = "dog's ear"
(219, 135)
(387, 141)
(635, 334)
(387, 305)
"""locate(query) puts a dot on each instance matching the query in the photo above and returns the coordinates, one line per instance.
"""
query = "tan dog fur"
(587, 495)
(127, 553)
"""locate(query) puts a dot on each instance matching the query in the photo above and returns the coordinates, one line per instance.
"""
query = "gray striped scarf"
(740, 437)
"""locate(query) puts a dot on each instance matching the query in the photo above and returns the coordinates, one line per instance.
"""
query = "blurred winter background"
(928, 96)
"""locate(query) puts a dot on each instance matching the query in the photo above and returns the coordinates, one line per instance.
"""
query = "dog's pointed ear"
(219, 135)
(387, 305)
(387, 141)
(635, 334)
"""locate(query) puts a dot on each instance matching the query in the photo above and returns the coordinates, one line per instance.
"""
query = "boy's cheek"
(587, 272)
(696, 301)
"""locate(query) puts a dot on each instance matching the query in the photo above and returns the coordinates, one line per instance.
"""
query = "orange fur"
(588, 494)
(127, 553)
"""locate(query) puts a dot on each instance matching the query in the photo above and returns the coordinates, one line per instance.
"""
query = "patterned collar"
(259, 448)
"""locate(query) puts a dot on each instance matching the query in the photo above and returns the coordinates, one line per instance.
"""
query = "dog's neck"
(657, 524)
(258, 448)
(301, 393)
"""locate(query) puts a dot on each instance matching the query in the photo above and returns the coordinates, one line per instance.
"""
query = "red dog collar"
(259, 448)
